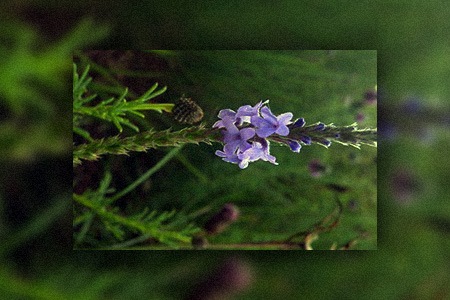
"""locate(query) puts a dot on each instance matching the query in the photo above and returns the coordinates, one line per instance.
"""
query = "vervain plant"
(114, 110)
(245, 133)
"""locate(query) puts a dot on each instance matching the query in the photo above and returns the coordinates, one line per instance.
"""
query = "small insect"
(187, 111)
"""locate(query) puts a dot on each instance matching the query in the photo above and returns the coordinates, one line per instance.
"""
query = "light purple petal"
(247, 133)
(270, 158)
(265, 130)
(243, 164)
(220, 153)
(263, 127)
(228, 158)
(268, 115)
(285, 118)
(267, 157)
(218, 124)
(230, 148)
(282, 130)
(226, 113)
(248, 110)
(252, 154)
(229, 125)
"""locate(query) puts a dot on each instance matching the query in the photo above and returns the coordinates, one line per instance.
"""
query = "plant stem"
(143, 141)
(146, 175)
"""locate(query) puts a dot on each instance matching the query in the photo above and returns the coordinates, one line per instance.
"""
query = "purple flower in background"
(405, 186)
(269, 124)
(316, 168)
(370, 96)
(360, 117)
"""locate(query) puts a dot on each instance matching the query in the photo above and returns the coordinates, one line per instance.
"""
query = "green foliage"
(412, 38)
(288, 190)
(33, 72)
(148, 225)
(117, 230)
(113, 109)
(142, 142)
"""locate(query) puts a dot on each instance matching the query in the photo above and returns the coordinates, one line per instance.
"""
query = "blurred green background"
(413, 210)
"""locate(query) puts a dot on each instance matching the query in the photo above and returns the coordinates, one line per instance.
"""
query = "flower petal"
(282, 130)
(247, 133)
(248, 110)
(227, 113)
(285, 118)
(268, 115)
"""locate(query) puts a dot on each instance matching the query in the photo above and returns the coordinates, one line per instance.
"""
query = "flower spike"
(247, 132)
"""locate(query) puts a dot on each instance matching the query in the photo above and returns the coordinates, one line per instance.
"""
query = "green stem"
(141, 142)
(349, 135)
(158, 233)
(146, 175)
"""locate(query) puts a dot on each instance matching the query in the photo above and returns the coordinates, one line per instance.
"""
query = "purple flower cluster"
(246, 131)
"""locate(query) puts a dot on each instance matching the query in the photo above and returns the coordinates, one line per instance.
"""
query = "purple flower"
(360, 117)
(245, 112)
(221, 220)
(246, 131)
(228, 157)
(237, 139)
(243, 115)
(370, 96)
(270, 124)
(259, 150)
(226, 116)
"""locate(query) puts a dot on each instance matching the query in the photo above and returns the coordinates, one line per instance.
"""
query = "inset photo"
(225, 150)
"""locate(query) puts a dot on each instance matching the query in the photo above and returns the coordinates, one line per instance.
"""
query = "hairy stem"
(143, 141)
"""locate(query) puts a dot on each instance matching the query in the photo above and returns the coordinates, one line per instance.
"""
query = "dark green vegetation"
(275, 202)
(411, 38)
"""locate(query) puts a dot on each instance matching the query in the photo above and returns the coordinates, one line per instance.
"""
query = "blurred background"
(38, 39)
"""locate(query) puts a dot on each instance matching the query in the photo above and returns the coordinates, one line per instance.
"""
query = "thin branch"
(143, 141)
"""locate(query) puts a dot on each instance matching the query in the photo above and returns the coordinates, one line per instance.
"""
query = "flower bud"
(220, 221)
(305, 140)
(316, 168)
(298, 123)
(231, 277)
(295, 146)
(319, 127)
(199, 242)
